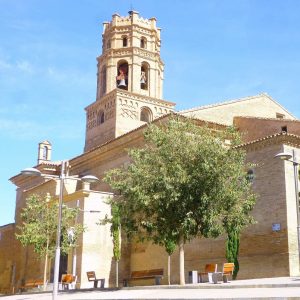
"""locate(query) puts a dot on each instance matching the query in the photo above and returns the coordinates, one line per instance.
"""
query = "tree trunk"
(181, 260)
(117, 273)
(169, 269)
(45, 271)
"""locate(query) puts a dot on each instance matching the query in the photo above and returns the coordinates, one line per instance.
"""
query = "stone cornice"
(235, 101)
(131, 136)
(267, 119)
(129, 51)
(118, 92)
(143, 98)
(275, 139)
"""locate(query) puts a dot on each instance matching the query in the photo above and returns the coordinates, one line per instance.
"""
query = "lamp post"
(71, 235)
(292, 158)
(61, 177)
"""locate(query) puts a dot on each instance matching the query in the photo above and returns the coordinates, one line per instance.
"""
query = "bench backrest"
(145, 273)
(91, 275)
(228, 268)
(211, 268)
(34, 282)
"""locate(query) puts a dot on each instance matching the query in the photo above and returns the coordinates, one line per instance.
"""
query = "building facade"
(129, 96)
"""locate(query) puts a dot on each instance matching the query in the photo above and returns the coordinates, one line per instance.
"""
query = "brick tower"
(129, 80)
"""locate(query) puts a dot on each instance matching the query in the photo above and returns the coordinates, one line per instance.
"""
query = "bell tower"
(129, 79)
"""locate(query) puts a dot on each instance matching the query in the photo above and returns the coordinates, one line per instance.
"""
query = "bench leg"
(102, 283)
(225, 278)
(125, 283)
(157, 280)
(95, 284)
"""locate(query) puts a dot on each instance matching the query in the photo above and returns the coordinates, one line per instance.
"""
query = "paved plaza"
(268, 288)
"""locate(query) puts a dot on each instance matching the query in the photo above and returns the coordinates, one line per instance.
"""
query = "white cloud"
(20, 130)
(4, 66)
(22, 65)
(25, 66)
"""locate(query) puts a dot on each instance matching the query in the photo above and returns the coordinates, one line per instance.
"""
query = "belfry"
(129, 80)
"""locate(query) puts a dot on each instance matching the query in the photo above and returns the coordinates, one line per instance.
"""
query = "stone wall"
(7, 267)
(256, 106)
(255, 128)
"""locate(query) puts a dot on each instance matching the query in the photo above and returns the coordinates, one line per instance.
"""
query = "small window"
(146, 115)
(143, 43)
(284, 129)
(108, 45)
(280, 116)
(100, 117)
(250, 176)
(125, 41)
(144, 76)
(45, 153)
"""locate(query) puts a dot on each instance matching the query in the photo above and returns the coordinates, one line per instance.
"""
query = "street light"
(71, 235)
(292, 158)
(61, 177)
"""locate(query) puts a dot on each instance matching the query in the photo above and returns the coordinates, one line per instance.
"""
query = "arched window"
(108, 45)
(125, 41)
(45, 153)
(103, 81)
(100, 117)
(146, 115)
(122, 77)
(143, 42)
(144, 76)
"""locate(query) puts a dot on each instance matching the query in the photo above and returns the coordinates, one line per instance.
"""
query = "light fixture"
(31, 172)
(89, 179)
(284, 156)
(291, 157)
(61, 177)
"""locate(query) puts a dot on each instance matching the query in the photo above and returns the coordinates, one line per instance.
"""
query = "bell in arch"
(122, 83)
(143, 79)
(121, 78)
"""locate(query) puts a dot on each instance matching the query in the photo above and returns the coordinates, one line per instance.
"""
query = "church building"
(130, 75)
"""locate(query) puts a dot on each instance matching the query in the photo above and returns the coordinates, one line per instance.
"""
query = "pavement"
(265, 288)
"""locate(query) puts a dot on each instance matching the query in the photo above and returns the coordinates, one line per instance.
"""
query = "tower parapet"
(129, 66)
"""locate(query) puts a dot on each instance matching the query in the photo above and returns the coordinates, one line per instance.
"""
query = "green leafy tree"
(39, 227)
(181, 184)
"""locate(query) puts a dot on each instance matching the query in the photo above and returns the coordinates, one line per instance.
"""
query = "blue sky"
(213, 51)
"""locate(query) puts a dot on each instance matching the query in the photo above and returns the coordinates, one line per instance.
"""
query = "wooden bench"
(226, 272)
(156, 274)
(68, 281)
(92, 277)
(32, 283)
(209, 268)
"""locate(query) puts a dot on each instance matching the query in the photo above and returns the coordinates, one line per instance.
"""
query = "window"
(143, 43)
(103, 81)
(125, 41)
(280, 116)
(108, 44)
(100, 117)
(284, 129)
(122, 77)
(250, 176)
(45, 153)
(146, 115)
(144, 76)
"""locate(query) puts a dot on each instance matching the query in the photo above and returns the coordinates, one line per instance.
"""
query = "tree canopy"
(39, 226)
(186, 181)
